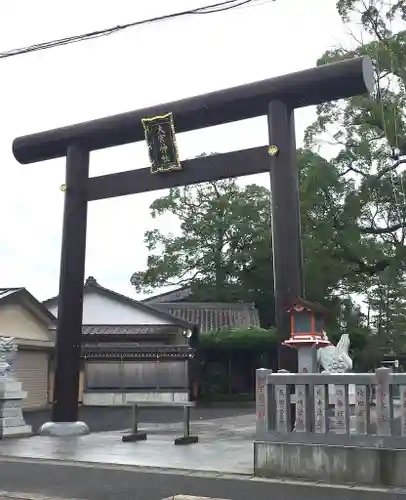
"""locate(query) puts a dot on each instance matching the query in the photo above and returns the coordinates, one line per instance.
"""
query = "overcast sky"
(119, 73)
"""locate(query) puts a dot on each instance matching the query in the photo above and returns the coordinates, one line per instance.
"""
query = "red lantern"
(307, 324)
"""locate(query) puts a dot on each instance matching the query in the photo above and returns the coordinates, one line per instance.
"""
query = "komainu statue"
(8, 349)
(335, 359)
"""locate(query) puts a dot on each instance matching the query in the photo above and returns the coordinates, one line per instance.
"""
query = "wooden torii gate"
(276, 97)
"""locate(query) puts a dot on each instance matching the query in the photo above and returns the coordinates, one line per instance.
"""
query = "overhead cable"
(208, 9)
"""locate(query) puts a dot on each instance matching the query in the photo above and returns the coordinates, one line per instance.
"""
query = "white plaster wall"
(101, 310)
(16, 321)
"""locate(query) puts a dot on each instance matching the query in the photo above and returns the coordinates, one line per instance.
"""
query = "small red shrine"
(307, 325)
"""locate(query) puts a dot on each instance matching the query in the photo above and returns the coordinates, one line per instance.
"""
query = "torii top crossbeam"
(304, 88)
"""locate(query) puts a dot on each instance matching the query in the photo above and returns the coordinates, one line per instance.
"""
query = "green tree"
(325, 272)
(366, 131)
(366, 135)
(388, 301)
(223, 246)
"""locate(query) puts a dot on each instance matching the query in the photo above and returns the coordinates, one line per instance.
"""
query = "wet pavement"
(225, 446)
(116, 418)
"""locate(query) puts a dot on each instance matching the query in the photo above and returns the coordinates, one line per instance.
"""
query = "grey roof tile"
(126, 329)
(211, 316)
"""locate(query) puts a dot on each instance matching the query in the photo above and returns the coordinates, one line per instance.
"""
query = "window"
(319, 322)
(303, 323)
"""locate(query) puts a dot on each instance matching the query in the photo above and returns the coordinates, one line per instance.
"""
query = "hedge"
(240, 338)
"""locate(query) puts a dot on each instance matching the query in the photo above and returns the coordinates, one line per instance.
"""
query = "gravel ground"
(101, 419)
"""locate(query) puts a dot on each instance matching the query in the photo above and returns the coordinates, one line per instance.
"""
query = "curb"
(188, 497)
(7, 495)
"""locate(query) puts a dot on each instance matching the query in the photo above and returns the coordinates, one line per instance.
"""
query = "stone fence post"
(262, 400)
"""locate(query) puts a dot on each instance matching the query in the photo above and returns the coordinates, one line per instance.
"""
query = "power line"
(223, 7)
(208, 9)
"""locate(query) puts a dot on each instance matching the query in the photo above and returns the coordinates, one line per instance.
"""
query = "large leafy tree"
(367, 135)
(222, 245)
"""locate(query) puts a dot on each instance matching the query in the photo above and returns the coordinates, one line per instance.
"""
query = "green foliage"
(368, 211)
(216, 382)
(221, 228)
(240, 338)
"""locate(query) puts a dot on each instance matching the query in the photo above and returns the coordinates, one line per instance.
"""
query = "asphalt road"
(92, 483)
(114, 419)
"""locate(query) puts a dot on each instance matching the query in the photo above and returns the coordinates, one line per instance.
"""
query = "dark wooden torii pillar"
(276, 97)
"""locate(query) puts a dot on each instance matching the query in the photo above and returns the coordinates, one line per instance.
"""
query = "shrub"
(240, 338)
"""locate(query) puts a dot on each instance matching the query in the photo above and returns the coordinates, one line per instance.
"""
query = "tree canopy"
(367, 135)
(224, 245)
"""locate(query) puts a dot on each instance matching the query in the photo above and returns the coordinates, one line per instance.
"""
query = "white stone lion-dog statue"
(335, 359)
(8, 349)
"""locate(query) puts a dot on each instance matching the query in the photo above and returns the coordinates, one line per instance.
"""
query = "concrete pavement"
(226, 445)
(96, 482)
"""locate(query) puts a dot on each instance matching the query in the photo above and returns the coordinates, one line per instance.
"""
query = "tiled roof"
(209, 316)
(308, 306)
(126, 329)
(137, 352)
(177, 295)
(6, 292)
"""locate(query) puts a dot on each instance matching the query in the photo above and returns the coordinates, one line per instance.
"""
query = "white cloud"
(135, 68)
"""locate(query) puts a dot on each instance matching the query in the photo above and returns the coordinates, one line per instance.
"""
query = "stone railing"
(336, 428)
(364, 410)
